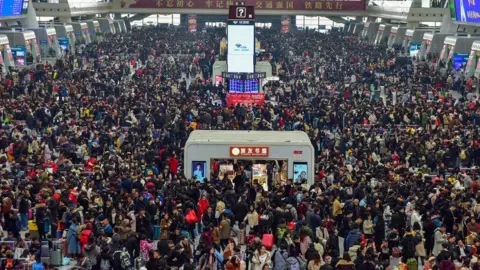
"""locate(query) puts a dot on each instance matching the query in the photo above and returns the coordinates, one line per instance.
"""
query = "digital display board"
(243, 86)
(13, 7)
(465, 11)
(241, 48)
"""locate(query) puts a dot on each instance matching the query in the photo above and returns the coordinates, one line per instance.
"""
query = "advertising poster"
(259, 174)
(226, 170)
(301, 5)
(241, 48)
(199, 169)
(223, 47)
(245, 99)
(285, 22)
(192, 23)
(300, 172)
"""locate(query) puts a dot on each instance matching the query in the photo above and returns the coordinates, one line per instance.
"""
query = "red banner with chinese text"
(192, 23)
(245, 99)
(330, 5)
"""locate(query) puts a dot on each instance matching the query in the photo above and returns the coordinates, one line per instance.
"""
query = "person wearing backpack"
(280, 256)
(282, 230)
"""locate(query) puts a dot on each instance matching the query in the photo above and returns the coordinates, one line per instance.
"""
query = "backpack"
(281, 232)
(105, 264)
(124, 258)
(38, 266)
(412, 264)
(294, 264)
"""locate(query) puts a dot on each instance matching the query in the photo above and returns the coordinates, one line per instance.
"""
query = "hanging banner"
(223, 47)
(278, 5)
(245, 99)
(285, 22)
(192, 23)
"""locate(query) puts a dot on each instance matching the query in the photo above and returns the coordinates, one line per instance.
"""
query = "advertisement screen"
(300, 171)
(414, 48)
(199, 169)
(241, 48)
(459, 59)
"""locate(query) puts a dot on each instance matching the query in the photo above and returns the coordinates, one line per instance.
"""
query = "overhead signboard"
(13, 7)
(280, 5)
(464, 11)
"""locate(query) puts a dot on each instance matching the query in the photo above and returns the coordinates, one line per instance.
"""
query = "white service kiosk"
(48, 41)
(122, 28)
(81, 32)
(382, 33)
(66, 37)
(292, 148)
(456, 51)
(357, 31)
(95, 31)
(473, 65)
(412, 41)
(370, 31)
(23, 44)
(432, 44)
(6, 57)
(106, 25)
(396, 36)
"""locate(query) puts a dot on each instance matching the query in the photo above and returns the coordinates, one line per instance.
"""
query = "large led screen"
(241, 48)
(465, 11)
(13, 7)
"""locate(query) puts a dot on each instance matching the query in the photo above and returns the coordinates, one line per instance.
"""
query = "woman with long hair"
(315, 263)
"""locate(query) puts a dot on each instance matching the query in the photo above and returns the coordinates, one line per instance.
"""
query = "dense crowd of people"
(91, 154)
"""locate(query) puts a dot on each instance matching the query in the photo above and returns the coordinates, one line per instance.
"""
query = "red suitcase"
(267, 241)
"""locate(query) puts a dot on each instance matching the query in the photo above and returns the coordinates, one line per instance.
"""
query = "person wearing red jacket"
(91, 163)
(203, 205)
(52, 165)
(173, 163)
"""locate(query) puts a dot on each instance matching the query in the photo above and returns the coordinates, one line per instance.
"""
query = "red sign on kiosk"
(245, 99)
(249, 151)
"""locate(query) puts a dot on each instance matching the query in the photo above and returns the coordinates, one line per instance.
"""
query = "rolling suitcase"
(156, 232)
(59, 234)
(56, 255)
(241, 236)
(45, 251)
(267, 241)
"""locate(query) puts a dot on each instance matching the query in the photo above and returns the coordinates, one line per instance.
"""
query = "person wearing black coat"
(241, 210)
(399, 220)
(408, 243)
(310, 253)
(178, 257)
(132, 245)
(52, 206)
(209, 217)
(154, 263)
